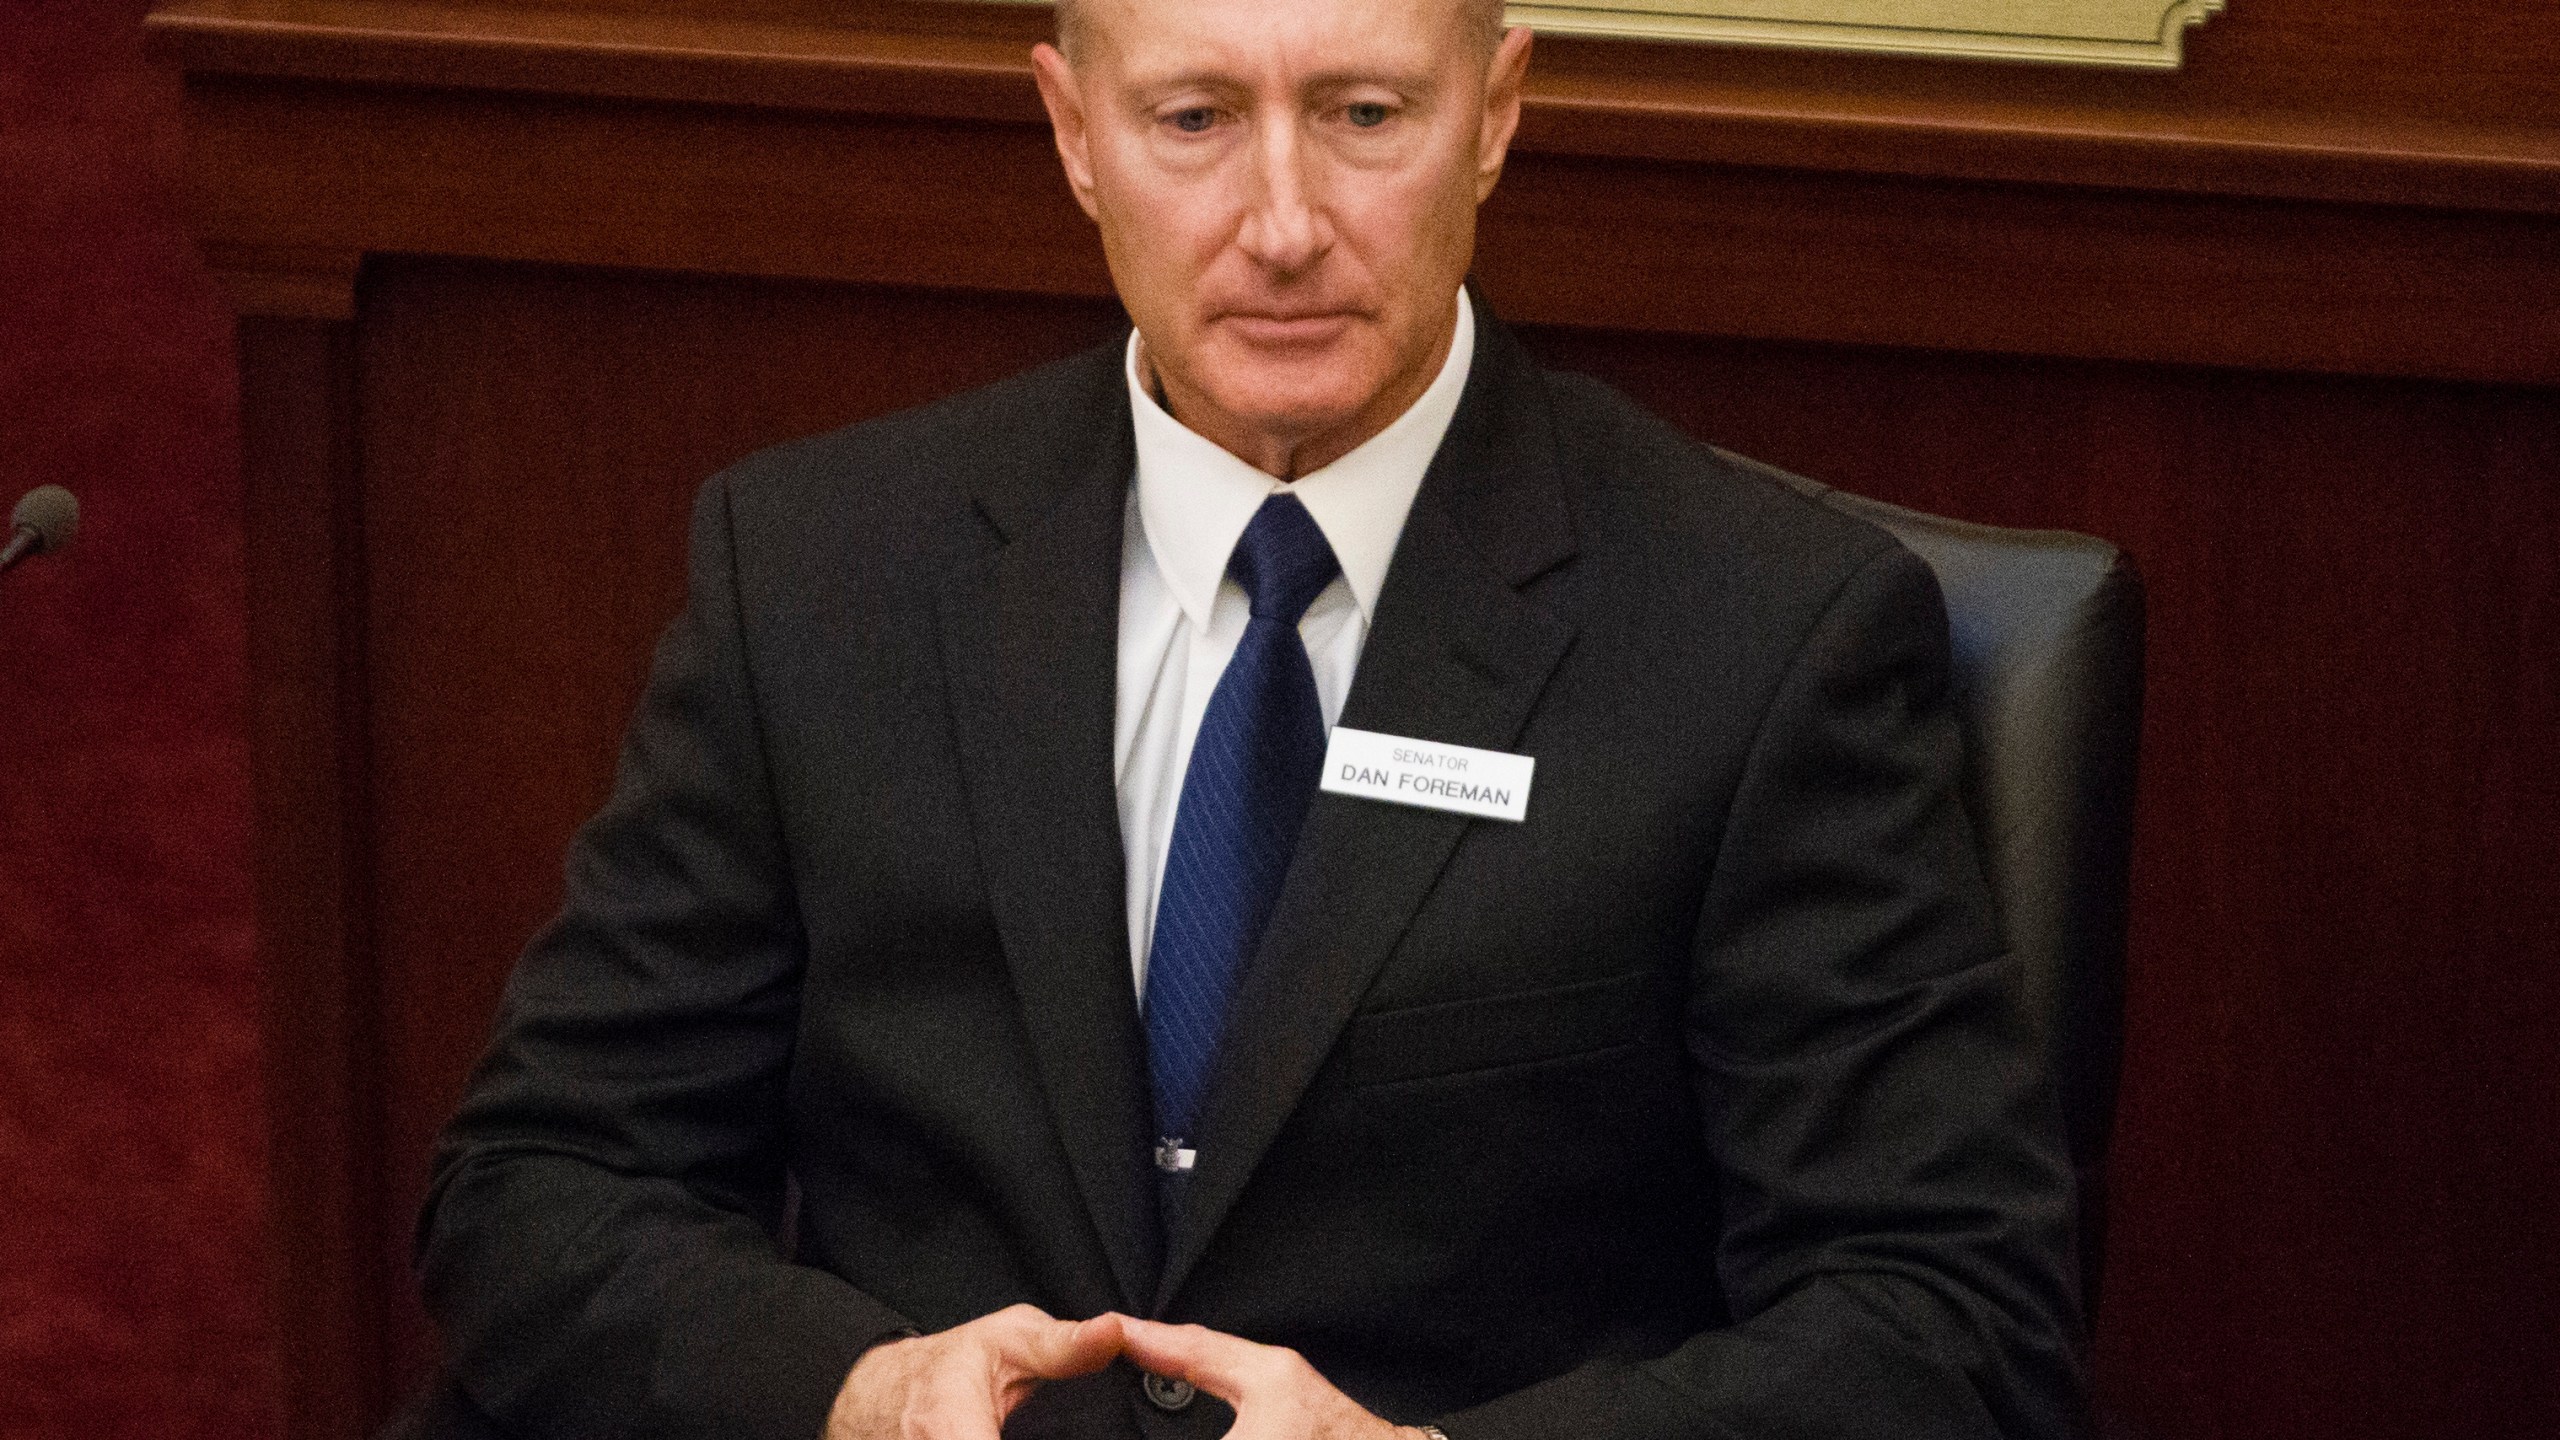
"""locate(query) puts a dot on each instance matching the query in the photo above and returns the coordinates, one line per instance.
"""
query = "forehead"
(1166, 39)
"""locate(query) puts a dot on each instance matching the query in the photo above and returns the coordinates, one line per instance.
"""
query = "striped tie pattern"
(1253, 771)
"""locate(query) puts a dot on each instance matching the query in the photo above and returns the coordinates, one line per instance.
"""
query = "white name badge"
(1429, 774)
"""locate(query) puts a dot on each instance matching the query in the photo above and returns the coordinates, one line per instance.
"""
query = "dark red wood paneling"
(1988, 290)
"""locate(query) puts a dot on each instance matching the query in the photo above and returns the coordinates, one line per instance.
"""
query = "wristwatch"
(1432, 1432)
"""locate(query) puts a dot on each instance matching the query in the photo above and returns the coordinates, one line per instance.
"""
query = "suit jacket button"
(1166, 1394)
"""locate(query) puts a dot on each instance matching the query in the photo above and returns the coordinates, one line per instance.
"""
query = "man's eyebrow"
(1412, 82)
(1186, 80)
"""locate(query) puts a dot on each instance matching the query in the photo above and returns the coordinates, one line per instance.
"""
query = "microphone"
(46, 519)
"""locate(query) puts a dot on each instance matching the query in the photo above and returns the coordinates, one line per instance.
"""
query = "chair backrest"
(2047, 633)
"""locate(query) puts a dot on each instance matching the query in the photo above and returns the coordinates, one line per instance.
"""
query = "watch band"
(1434, 1432)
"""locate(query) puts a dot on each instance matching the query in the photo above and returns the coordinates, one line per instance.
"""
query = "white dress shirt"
(1181, 617)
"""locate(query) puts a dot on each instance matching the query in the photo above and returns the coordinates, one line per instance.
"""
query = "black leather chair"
(2047, 629)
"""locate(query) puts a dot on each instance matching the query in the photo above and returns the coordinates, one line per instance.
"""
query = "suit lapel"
(1030, 638)
(1457, 654)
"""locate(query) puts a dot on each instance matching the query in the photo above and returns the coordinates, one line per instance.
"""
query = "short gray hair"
(1482, 17)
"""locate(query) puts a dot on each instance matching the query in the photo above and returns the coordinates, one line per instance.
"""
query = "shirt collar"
(1194, 498)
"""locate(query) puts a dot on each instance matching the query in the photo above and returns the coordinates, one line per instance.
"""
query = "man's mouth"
(1288, 327)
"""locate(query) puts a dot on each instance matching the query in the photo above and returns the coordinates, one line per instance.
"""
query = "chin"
(1294, 413)
(1305, 394)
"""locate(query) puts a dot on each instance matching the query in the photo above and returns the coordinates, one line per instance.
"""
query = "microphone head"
(51, 512)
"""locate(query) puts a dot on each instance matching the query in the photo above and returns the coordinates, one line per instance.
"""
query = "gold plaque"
(2144, 33)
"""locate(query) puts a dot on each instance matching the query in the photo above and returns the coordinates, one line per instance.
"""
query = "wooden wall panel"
(2287, 323)
(1600, 241)
(1657, 188)
(2078, 272)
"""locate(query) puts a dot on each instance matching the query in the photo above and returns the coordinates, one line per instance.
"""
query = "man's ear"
(1503, 80)
(1065, 99)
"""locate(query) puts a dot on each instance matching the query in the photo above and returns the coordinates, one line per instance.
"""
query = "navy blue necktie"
(1253, 770)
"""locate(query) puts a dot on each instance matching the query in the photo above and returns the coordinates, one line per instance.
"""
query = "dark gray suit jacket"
(1694, 1106)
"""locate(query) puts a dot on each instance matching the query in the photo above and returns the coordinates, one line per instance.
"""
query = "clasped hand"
(962, 1383)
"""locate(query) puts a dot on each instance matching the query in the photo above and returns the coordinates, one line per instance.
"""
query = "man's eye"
(1193, 120)
(1367, 114)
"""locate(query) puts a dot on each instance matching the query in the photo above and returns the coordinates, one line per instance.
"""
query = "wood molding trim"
(1572, 110)
(1799, 255)
(286, 283)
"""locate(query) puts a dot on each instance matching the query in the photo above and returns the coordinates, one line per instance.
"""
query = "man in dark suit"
(985, 1001)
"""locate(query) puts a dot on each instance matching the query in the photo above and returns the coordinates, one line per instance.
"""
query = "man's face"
(1286, 191)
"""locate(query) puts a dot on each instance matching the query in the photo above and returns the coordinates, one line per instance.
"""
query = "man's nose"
(1284, 228)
